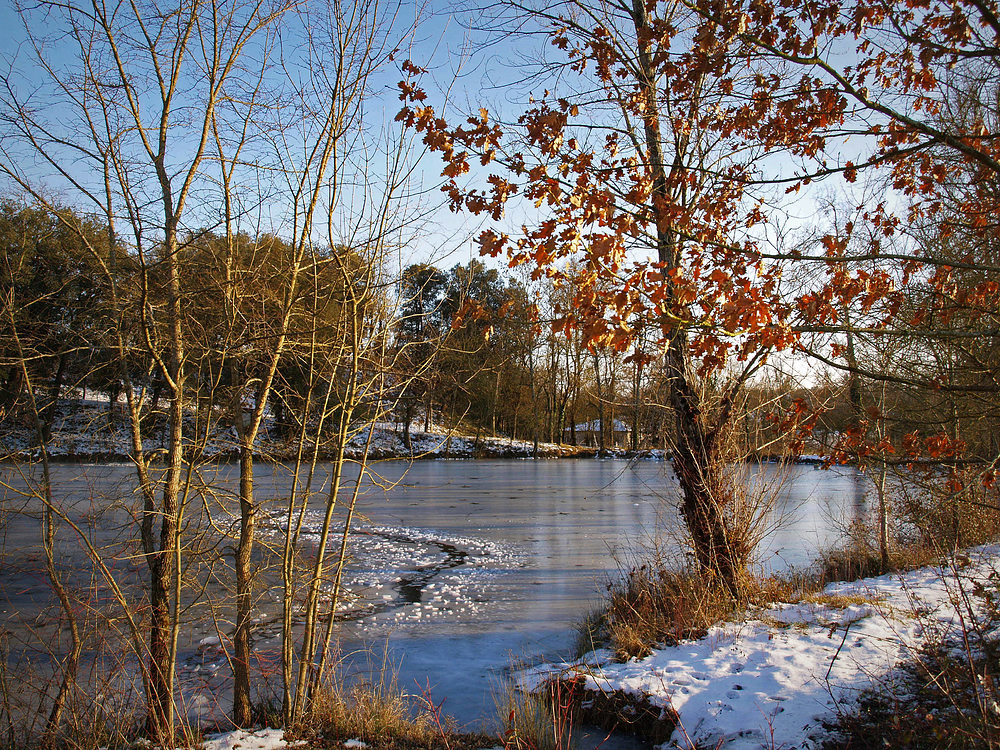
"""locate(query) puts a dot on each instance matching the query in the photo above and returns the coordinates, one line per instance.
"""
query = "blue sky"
(468, 68)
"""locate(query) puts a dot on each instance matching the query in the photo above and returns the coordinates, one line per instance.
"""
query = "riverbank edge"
(685, 695)
(81, 433)
(546, 451)
(832, 646)
(562, 451)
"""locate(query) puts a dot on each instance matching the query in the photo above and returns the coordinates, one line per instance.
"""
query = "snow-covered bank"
(775, 678)
(244, 739)
(82, 430)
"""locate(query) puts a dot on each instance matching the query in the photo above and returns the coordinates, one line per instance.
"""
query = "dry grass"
(859, 556)
(542, 720)
(379, 714)
(652, 605)
(373, 713)
(838, 601)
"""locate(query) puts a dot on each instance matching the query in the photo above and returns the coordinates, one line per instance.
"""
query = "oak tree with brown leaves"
(676, 132)
(635, 193)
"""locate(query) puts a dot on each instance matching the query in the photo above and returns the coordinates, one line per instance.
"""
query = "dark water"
(461, 566)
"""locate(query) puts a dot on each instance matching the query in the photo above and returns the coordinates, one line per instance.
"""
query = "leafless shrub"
(946, 695)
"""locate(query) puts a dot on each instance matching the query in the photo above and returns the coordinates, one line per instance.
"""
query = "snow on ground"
(262, 739)
(773, 679)
(387, 440)
(82, 429)
(243, 739)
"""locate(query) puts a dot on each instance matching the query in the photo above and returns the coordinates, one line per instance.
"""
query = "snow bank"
(773, 679)
(82, 429)
(244, 739)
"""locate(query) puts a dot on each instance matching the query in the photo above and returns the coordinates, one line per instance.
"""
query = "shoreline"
(780, 676)
(81, 434)
(562, 452)
(783, 674)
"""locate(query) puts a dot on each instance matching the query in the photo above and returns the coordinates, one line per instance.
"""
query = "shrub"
(539, 720)
(653, 605)
(935, 515)
(946, 697)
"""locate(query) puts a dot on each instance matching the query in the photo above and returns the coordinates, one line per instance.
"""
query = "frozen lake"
(461, 566)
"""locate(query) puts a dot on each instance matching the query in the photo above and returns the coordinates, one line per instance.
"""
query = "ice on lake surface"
(463, 566)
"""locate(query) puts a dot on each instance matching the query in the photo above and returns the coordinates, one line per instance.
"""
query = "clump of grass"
(850, 564)
(266, 711)
(858, 556)
(590, 633)
(379, 714)
(538, 720)
(653, 605)
(837, 601)
(545, 718)
(791, 586)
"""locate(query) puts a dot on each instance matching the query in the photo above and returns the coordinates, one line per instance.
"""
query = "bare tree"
(126, 128)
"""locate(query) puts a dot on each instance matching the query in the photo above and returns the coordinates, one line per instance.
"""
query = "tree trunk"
(242, 709)
(408, 416)
(495, 405)
(428, 405)
(52, 406)
(159, 720)
(163, 554)
(612, 392)
(636, 383)
(694, 461)
(11, 391)
(534, 403)
(694, 464)
(114, 391)
(601, 421)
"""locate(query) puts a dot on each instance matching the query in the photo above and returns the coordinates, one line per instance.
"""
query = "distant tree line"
(480, 344)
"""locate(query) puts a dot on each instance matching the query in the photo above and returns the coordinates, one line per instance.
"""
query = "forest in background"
(473, 349)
